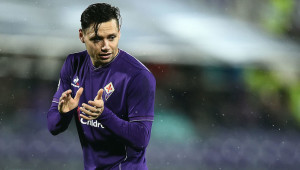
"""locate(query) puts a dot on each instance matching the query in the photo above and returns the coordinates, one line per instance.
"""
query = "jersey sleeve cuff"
(55, 100)
(68, 114)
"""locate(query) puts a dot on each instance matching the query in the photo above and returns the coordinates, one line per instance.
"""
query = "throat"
(97, 64)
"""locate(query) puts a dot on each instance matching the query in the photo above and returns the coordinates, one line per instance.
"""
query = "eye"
(111, 38)
(96, 40)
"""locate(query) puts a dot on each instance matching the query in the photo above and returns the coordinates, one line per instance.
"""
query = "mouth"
(105, 56)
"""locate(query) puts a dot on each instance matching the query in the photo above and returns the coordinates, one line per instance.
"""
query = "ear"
(119, 33)
(81, 35)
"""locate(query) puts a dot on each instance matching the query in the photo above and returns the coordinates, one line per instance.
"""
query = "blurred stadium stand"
(228, 87)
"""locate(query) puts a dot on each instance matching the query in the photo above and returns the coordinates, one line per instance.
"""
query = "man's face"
(103, 46)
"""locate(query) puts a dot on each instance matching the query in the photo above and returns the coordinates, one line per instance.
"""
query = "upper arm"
(64, 79)
(140, 97)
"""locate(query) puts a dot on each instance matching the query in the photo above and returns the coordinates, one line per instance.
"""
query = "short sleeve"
(140, 98)
(64, 80)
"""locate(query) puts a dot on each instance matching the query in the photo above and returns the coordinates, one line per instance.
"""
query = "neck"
(97, 64)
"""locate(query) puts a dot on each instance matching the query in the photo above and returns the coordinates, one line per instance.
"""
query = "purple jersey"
(118, 138)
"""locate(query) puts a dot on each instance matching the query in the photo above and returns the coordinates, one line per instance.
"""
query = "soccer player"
(108, 92)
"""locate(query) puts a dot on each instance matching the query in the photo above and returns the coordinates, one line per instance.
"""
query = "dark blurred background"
(228, 87)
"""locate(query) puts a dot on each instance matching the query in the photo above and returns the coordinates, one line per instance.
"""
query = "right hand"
(67, 103)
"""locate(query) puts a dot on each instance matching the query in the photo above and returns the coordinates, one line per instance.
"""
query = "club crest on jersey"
(75, 82)
(109, 89)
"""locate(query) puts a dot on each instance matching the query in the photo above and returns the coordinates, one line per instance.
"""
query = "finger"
(99, 95)
(67, 92)
(85, 117)
(69, 96)
(78, 94)
(61, 102)
(88, 112)
(88, 107)
(96, 103)
(62, 97)
(60, 105)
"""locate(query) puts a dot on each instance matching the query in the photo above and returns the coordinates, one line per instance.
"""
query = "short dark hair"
(99, 13)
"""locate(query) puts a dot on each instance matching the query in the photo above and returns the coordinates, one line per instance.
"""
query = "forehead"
(105, 28)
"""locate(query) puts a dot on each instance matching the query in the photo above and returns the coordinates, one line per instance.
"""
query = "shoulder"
(136, 70)
(133, 66)
(78, 56)
(75, 59)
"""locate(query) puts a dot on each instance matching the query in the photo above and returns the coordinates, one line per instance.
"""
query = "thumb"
(78, 94)
(99, 95)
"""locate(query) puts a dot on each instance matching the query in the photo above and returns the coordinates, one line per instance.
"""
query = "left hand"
(94, 109)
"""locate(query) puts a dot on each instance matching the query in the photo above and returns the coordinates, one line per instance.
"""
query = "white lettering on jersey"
(91, 123)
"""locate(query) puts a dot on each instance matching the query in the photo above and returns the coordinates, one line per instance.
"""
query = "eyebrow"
(97, 37)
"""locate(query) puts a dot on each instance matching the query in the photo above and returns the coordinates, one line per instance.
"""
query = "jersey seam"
(139, 68)
(150, 120)
(120, 165)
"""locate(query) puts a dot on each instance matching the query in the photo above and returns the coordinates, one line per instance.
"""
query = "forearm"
(58, 122)
(136, 134)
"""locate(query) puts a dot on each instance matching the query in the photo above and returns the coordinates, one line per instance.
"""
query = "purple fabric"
(119, 137)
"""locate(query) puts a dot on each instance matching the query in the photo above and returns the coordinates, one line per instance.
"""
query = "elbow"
(140, 146)
(141, 135)
(56, 124)
(142, 142)
(54, 131)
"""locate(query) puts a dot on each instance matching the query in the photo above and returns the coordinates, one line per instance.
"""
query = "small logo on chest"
(75, 82)
(109, 89)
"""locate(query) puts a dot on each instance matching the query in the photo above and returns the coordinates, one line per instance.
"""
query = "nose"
(105, 46)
